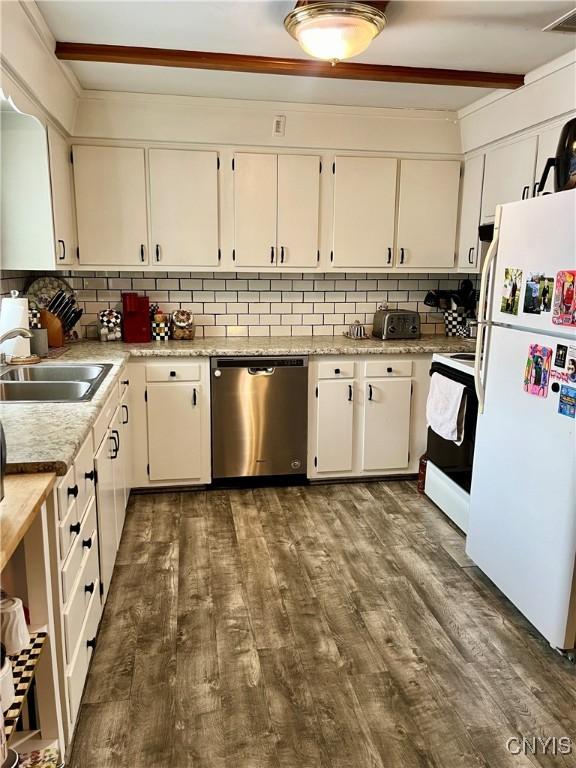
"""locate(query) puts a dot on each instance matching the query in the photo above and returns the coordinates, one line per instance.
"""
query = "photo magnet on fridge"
(567, 402)
(561, 355)
(537, 373)
(571, 365)
(538, 293)
(564, 312)
(511, 291)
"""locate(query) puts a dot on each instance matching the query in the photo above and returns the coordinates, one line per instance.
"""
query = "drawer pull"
(89, 475)
(125, 411)
(337, 371)
(73, 491)
(349, 393)
(389, 370)
(75, 528)
(91, 643)
(87, 543)
(89, 588)
(173, 374)
(369, 391)
(126, 382)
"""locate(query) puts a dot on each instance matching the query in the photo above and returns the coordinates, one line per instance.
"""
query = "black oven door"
(456, 460)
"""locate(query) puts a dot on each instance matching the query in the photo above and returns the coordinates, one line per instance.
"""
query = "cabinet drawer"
(336, 369)
(80, 599)
(79, 551)
(67, 493)
(384, 368)
(68, 529)
(173, 372)
(84, 466)
(76, 676)
(105, 417)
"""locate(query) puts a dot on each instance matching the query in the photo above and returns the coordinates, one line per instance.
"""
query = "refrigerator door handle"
(482, 322)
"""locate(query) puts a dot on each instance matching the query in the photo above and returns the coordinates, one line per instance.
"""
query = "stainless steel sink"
(51, 383)
(53, 373)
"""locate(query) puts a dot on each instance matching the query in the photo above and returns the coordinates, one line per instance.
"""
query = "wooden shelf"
(23, 669)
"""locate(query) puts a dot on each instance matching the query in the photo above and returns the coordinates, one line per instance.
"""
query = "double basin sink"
(51, 383)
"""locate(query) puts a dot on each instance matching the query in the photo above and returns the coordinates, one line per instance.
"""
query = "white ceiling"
(490, 35)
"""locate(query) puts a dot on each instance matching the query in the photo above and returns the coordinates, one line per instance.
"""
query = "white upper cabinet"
(364, 211)
(62, 198)
(508, 175)
(471, 204)
(427, 213)
(110, 186)
(255, 205)
(183, 208)
(298, 210)
(547, 145)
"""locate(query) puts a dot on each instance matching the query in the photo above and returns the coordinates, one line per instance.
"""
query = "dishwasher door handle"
(261, 371)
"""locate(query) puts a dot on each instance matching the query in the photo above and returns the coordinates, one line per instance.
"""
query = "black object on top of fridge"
(564, 163)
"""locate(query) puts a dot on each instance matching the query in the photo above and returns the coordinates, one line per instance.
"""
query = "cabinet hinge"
(101, 589)
(331, 255)
(233, 164)
(315, 461)
(72, 157)
(148, 469)
(316, 391)
(334, 167)
(317, 257)
(233, 254)
(219, 255)
(145, 395)
(217, 163)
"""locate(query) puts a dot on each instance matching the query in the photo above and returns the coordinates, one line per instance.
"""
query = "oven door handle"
(483, 312)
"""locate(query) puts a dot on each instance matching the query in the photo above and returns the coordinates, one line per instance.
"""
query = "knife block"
(53, 327)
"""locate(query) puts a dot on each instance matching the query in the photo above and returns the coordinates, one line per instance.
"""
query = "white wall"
(549, 93)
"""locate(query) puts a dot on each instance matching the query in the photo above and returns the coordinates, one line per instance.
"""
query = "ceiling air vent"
(566, 23)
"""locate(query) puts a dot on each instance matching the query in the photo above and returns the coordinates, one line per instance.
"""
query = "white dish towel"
(446, 408)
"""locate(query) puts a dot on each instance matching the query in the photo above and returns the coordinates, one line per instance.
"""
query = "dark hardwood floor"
(334, 626)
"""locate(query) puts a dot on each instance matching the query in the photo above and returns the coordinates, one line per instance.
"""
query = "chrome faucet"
(13, 333)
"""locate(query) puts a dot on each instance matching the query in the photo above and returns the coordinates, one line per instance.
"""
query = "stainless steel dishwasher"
(259, 416)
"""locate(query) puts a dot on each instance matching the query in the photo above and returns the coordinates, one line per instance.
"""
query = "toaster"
(396, 324)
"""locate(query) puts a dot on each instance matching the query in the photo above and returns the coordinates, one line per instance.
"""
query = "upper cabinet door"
(110, 186)
(298, 210)
(62, 198)
(183, 208)
(427, 213)
(255, 204)
(470, 214)
(508, 176)
(364, 211)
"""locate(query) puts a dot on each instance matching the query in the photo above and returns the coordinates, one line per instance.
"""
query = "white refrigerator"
(522, 530)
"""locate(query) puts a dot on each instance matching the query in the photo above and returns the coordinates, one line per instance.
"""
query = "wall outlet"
(279, 125)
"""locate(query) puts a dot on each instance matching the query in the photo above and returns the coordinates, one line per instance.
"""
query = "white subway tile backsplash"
(238, 304)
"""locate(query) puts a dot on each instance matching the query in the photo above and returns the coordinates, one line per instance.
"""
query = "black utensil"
(57, 302)
(73, 319)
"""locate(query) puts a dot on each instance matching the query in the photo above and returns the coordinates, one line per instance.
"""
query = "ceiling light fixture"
(334, 31)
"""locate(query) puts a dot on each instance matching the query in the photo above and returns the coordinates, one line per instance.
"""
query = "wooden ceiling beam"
(264, 65)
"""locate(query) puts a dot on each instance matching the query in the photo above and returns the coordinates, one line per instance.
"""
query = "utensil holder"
(54, 327)
(455, 322)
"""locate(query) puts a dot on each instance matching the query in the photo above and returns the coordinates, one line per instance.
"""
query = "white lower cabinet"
(106, 499)
(367, 416)
(334, 425)
(386, 424)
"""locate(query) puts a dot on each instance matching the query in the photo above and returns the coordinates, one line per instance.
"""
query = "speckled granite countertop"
(45, 437)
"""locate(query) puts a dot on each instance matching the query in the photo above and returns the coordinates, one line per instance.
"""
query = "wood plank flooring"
(333, 626)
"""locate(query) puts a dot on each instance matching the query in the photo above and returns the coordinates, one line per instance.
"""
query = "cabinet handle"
(526, 192)
(535, 189)
(89, 588)
(471, 255)
(337, 371)
(282, 254)
(349, 393)
(157, 252)
(172, 374)
(194, 397)
(91, 643)
(63, 255)
(116, 437)
(142, 253)
(125, 409)
(389, 370)
(401, 255)
(73, 491)
(369, 391)
(126, 382)
(116, 446)
(272, 255)
(75, 528)
(389, 261)
(87, 543)
(89, 475)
